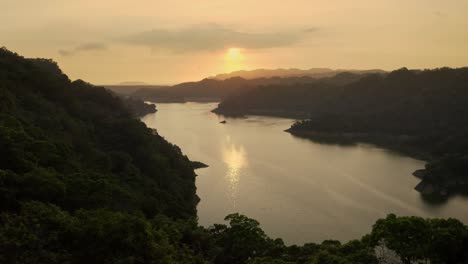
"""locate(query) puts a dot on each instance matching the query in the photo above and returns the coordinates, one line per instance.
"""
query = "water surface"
(299, 190)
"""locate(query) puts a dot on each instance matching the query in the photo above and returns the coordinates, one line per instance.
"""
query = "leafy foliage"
(417, 239)
(43, 233)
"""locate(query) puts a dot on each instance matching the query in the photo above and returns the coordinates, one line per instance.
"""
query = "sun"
(234, 54)
(234, 59)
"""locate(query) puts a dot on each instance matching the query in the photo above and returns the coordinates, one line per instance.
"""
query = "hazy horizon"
(109, 42)
(214, 76)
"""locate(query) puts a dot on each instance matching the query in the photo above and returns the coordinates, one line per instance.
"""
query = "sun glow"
(234, 54)
(234, 59)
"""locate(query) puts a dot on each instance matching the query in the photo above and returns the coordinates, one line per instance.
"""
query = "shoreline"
(431, 191)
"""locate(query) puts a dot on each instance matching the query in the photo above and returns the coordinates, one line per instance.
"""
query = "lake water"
(299, 190)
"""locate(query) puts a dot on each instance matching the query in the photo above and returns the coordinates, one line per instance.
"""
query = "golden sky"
(165, 42)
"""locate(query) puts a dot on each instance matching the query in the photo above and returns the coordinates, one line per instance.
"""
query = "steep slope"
(79, 177)
(66, 134)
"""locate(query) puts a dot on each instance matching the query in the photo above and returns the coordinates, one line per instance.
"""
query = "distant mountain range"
(293, 72)
(136, 83)
(128, 89)
(221, 86)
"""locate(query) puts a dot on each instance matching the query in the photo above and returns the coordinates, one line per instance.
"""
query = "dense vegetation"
(72, 148)
(57, 135)
(81, 181)
(421, 112)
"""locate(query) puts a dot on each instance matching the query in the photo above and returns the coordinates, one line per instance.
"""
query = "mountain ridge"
(290, 72)
(215, 90)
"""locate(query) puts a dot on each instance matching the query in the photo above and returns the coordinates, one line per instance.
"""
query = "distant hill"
(127, 89)
(215, 90)
(132, 83)
(268, 73)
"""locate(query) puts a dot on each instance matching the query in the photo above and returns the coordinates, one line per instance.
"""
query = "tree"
(241, 241)
(415, 238)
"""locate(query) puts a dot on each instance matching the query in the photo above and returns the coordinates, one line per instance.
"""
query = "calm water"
(297, 189)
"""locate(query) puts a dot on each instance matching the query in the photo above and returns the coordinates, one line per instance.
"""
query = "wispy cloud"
(211, 38)
(310, 29)
(440, 14)
(83, 48)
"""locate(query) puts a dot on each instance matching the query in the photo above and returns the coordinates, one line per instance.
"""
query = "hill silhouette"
(128, 89)
(215, 90)
(292, 72)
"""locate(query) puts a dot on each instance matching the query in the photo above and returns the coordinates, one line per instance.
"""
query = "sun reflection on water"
(235, 157)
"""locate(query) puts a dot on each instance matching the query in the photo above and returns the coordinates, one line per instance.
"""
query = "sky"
(171, 41)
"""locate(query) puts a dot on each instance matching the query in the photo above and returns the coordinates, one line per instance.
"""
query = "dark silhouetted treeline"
(82, 181)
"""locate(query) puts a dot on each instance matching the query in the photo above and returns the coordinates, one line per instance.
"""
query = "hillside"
(68, 146)
(76, 133)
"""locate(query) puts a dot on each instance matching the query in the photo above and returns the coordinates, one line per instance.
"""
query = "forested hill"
(71, 134)
(424, 111)
(409, 92)
(76, 146)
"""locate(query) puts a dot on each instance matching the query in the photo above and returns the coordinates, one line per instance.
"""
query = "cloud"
(310, 29)
(65, 52)
(440, 14)
(211, 38)
(83, 48)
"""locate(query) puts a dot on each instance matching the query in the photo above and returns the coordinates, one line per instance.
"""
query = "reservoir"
(298, 189)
